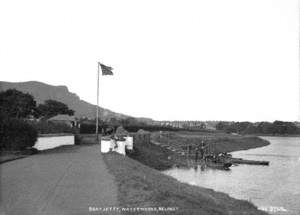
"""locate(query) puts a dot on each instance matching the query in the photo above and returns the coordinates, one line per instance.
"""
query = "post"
(187, 154)
(167, 138)
(97, 108)
(299, 62)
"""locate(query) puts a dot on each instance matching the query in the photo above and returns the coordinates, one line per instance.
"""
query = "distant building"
(64, 119)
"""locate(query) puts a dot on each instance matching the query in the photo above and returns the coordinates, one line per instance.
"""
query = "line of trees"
(16, 107)
(90, 128)
(275, 128)
(16, 104)
(51, 108)
(131, 124)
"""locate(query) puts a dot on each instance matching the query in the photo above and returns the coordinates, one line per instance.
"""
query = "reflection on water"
(276, 185)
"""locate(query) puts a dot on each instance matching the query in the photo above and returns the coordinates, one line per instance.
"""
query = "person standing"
(196, 154)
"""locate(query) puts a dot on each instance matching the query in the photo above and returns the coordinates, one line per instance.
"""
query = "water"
(275, 188)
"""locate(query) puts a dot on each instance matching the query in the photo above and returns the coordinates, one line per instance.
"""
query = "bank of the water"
(140, 186)
(155, 156)
(161, 158)
(219, 142)
(274, 188)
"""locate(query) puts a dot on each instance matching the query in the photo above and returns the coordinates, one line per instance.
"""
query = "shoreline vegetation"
(265, 128)
(141, 184)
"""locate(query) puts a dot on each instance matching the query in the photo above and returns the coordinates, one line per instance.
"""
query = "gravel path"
(67, 181)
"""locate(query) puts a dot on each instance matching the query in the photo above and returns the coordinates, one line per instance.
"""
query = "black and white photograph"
(161, 107)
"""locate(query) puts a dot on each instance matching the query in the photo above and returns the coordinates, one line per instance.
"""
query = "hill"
(41, 92)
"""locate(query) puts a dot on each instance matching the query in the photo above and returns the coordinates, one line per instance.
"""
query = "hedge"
(90, 128)
(45, 127)
(16, 134)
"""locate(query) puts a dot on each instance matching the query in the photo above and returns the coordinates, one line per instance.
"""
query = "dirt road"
(65, 181)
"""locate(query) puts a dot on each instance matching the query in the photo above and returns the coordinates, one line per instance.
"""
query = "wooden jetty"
(249, 162)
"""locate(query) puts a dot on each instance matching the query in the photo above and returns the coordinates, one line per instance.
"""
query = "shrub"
(16, 134)
(16, 104)
(78, 139)
(29, 151)
(90, 128)
(44, 127)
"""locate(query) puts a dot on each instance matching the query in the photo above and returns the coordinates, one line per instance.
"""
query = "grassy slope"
(155, 156)
(142, 186)
(160, 158)
(229, 144)
(220, 142)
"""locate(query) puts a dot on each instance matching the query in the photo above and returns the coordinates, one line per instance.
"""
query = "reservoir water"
(274, 188)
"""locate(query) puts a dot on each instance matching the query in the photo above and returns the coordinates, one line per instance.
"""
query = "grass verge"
(140, 186)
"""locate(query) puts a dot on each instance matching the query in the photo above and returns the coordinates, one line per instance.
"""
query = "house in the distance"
(63, 119)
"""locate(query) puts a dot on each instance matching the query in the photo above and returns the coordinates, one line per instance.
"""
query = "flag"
(106, 70)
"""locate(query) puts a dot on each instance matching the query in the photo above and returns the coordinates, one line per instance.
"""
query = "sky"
(172, 59)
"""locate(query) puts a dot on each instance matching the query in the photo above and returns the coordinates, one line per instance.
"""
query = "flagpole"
(97, 108)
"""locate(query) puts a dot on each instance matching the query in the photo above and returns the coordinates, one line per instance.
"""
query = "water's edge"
(257, 184)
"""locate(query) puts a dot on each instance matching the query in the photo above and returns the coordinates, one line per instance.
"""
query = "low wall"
(129, 143)
(111, 145)
(107, 145)
(52, 141)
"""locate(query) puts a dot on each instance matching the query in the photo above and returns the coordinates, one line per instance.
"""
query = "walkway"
(61, 182)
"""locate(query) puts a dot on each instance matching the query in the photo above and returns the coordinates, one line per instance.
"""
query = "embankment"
(140, 186)
(161, 158)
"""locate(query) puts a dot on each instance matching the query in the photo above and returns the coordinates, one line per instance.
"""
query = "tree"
(285, 127)
(223, 126)
(52, 108)
(16, 104)
(129, 121)
(114, 122)
(291, 128)
(266, 128)
(220, 126)
(242, 126)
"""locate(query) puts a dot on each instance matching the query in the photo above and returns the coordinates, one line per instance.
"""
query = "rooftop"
(62, 117)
